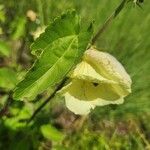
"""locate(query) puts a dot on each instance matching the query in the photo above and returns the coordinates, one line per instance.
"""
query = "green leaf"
(4, 49)
(3, 100)
(63, 26)
(18, 116)
(51, 133)
(8, 78)
(2, 14)
(18, 27)
(62, 48)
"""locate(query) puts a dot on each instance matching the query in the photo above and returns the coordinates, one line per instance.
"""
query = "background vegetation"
(124, 127)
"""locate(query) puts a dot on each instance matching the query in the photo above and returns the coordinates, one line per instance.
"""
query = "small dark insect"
(95, 84)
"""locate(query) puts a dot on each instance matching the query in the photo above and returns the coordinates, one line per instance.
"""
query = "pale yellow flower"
(97, 81)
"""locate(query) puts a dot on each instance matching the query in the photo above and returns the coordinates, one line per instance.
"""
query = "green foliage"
(19, 115)
(4, 49)
(18, 27)
(2, 13)
(51, 133)
(63, 44)
(8, 78)
(114, 137)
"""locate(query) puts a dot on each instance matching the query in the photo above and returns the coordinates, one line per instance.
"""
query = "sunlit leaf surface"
(63, 44)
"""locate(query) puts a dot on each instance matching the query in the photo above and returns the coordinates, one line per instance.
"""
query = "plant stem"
(108, 21)
(47, 100)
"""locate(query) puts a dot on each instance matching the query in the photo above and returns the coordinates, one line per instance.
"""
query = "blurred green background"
(124, 127)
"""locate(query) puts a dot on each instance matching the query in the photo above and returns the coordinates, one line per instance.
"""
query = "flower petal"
(77, 106)
(82, 96)
(85, 71)
(108, 67)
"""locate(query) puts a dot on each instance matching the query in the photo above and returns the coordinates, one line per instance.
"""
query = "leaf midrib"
(37, 81)
(34, 50)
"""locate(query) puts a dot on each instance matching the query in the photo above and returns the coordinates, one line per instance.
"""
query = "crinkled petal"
(110, 68)
(82, 96)
(85, 71)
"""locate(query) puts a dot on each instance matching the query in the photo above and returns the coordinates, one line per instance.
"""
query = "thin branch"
(108, 21)
(47, 100)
